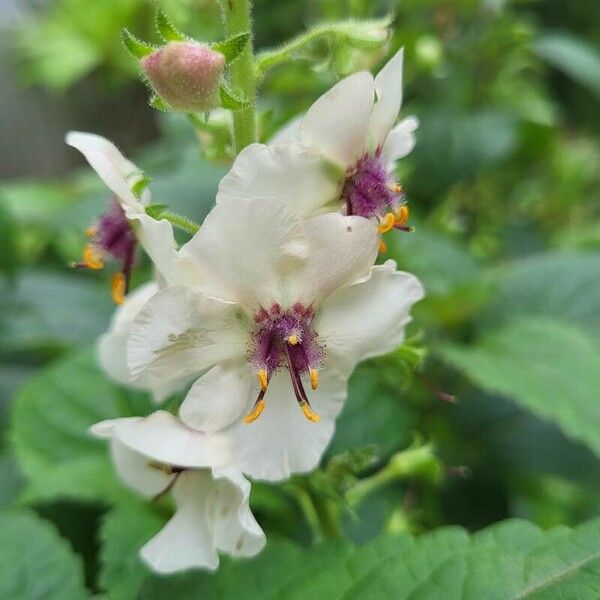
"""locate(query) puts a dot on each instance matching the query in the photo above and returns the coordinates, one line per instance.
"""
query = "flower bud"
(186, 75)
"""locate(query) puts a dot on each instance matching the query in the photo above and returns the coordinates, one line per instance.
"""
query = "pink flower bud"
(186, 75)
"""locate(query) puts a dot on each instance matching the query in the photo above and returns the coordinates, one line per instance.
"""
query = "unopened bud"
(186, 75)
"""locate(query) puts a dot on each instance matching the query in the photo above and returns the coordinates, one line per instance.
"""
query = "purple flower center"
(114, 236)
(370, 189)
(285, 339)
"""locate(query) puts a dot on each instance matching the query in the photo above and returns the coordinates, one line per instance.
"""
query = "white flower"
(340, 155)
(159, 454)
(283, 304)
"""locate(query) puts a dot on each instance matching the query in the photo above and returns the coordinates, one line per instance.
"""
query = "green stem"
(236, 16)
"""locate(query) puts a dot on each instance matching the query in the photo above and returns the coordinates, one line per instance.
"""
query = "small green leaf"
(35, 562)
(140, 185)
(233, 46)
(159, 104)
(231, 101)
(167, 30)
(156, 210)
(137, 48)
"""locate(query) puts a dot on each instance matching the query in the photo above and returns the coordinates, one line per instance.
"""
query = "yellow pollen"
(117, 288)
(256, 412)
(402, 215)
(91, 258)
(394, 187)
(314, 378)
(293, 339)
(262, 379)
(382, 247)
(386, 223)
(309, 413)
(90, 232)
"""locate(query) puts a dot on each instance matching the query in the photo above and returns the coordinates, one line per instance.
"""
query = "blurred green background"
(504, 190)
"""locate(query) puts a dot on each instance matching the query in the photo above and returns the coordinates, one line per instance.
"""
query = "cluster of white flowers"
(263, 314)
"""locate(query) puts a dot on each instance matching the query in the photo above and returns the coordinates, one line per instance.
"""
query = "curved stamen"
(257, 409)
(299, 389)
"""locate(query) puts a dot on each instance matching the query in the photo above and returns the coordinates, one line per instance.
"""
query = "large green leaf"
(52, 414)
(550, 367)
(35, 562)
(510, 561)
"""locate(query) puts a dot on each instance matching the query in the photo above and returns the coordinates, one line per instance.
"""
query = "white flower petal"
(388, 87)
(290, 132)
(246, 247)
(186, 541)
(219, 397)
(341, 251)
(367, 319)
(163, 438)
(337, 123)
(118, 173)
(291, 172)
(282, 441)
(401, 140)
(235, 530)
(180, 332)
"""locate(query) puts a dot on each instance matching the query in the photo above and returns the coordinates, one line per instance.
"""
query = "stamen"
(396, 188)
(402, 215)
(314, 378)
(293, 339)
(117, 288)
(382, 247)
(263, 379)
(90, 232)
(91, 258)
(387, 223)
(309, 413)
(257, 409)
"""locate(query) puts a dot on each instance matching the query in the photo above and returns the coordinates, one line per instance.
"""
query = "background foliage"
(504, 187)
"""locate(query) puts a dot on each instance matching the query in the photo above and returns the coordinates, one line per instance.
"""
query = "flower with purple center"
(341, 154)
(275, 315)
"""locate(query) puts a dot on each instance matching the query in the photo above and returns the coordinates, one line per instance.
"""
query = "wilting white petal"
(388, 88)
(219, 397)
(401, 140)
(337, 123)
(180, 332)
(246, 247)
(368, 319)
(282, 441)
(290, 172)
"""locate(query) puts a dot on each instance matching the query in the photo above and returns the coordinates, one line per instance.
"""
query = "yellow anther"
(386, 223)
(293, 339)
(396, 188)
(90, 232)
(314, 378)
(382, 247)
(309, 413)
(262, 379)
(256, 412)
(402, 215)
(91, 258)
(117, 288)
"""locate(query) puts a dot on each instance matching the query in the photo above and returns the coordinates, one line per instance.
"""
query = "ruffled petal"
(180, 332)
(341, 251)
(219, 397)
(367, 319)
(246, 247)
(401, 140)
(282, 441)
(290, 172)
(388, 87)
(337, 123)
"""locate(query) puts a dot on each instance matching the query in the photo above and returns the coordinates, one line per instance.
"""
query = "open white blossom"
(281, 304)
(340, 155)
(159, 454)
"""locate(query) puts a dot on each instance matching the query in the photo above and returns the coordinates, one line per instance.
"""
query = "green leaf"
(573, 56)
(233, 46)
(167, 30)
(510, 561)
(51, 418)
(137, 48)
(159, 104)
(550, 367)
(230, 100)
(9, 256)
(35, 562)
(124, 531)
